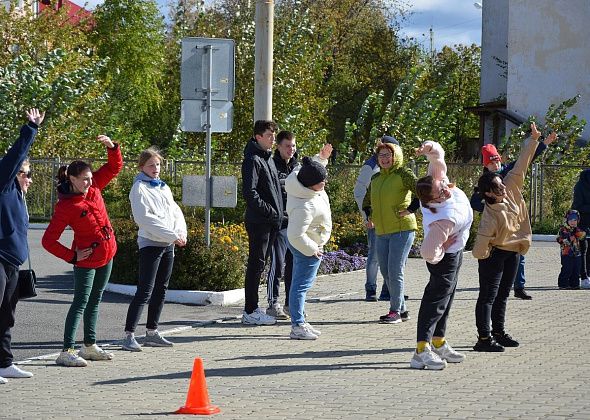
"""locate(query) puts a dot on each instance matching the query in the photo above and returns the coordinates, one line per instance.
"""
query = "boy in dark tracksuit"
(570, 238)
(492, 162)
(281, 262)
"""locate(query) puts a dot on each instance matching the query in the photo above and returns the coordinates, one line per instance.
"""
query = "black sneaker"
(521, 294)
(405, 316)
(383, 297)
(505, 339)
(488, 345)
(371, 298)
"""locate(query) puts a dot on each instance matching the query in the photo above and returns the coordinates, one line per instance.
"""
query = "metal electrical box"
(224, 191)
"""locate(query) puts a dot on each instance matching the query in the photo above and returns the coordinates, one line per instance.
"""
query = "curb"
(193, 297)
(543, 238)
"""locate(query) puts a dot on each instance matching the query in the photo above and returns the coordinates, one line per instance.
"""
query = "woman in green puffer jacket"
(391, 212)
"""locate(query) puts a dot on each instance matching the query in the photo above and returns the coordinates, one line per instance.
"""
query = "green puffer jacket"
(391, 192)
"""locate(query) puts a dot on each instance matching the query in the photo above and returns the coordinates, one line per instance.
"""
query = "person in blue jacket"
(492, 162)
(14, 223)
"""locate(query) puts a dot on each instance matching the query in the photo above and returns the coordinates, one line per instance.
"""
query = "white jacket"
(156, 213)
(310, 218)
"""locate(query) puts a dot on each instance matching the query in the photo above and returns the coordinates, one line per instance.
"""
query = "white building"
(534, 53)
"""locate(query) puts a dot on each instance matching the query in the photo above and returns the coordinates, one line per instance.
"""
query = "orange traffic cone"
(197, 399)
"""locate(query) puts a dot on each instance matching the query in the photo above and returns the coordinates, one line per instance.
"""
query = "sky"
(452, 21)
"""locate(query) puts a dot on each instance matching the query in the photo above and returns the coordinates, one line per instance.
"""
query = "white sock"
(151, 332)
(130, 334)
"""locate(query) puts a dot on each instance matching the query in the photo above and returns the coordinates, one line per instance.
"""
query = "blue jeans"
(372, 267)
(519, 280)
(304, 274)
(392, 251)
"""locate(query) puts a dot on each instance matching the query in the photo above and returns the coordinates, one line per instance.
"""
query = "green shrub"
(216, 268)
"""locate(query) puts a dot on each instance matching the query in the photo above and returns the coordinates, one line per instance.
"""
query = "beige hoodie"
(310, 218)
(506, 225)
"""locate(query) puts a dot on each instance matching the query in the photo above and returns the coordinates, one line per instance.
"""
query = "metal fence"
(548, 188)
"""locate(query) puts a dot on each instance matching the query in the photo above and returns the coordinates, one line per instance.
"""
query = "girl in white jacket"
(309, 229)
(161, 226)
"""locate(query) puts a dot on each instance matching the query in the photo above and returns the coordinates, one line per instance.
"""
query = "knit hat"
(389, 139)
(311, 172)
(490, 154)
(572, 215)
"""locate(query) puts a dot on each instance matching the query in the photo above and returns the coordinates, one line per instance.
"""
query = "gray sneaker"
(446, 352)
(276, 311)
(130, 343)
(427, 360)
(302, 332)
(156, 340)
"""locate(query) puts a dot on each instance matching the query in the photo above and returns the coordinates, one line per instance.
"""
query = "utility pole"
(431, 44)
(263, 46)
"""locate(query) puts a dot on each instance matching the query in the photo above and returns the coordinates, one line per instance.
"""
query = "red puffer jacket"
(88, 218)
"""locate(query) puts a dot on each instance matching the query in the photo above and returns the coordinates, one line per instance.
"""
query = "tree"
(130, 34)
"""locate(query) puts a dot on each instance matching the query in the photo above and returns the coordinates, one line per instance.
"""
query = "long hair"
(485, 184)
(424, 191)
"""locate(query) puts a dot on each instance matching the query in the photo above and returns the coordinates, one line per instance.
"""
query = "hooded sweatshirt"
(14, 221)
(390, 192)
(506, 225)
(310, 218)
(261, 187)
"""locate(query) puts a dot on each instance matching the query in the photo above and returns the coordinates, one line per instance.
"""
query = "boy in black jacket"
(264, 213)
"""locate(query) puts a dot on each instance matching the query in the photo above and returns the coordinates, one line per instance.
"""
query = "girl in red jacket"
(81, 207)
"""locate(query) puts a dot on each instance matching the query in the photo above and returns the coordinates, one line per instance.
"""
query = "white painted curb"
(194, 297)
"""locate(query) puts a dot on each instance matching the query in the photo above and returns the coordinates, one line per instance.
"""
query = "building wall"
(548, 56)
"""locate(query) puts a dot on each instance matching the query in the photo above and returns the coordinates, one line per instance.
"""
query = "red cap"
(490, 154)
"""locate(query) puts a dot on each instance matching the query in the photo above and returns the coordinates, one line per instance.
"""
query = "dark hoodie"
(582, 198)
(261, 187)
(284, 169)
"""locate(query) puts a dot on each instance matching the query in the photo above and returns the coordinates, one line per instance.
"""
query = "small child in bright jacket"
(570, 237)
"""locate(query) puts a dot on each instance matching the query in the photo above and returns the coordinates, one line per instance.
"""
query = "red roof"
(75, 12)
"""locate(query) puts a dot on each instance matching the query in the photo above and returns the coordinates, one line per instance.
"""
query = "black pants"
(585, 259)
(281, 266)
(9, 299)
(155, 269)
(569, 276)
(496, 276)
(260, 240)
(438, 296)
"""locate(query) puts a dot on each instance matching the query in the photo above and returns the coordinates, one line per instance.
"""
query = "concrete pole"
(263, 60)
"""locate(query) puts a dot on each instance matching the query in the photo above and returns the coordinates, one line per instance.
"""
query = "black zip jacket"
(284, 169)
(261, 187)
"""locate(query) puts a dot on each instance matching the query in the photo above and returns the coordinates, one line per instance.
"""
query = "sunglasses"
(25, 174)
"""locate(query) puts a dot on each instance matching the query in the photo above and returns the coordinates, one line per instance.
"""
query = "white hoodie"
(310, 218)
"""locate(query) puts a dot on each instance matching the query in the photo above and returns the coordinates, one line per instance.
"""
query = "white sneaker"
(446, 352)
(154, 339)
(69, 358)
(258, 317)
(427, 360)
(302, 332)
(93, 352)
(13, 371)
(313, 329)
(585, 283)
(3, 381)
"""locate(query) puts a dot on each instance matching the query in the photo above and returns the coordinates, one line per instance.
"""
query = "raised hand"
(535, 134)
(424, 148)
(106, 141)
(550, 138)
(326, 151)
(35, 116)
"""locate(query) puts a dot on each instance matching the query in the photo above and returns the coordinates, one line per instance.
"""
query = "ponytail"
(73, 169)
